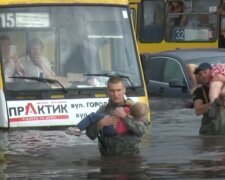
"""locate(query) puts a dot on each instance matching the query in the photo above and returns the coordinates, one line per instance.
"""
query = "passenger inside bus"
(177, 7)
(34, 63)
(84, 59)
(9, 58)
(175, 20)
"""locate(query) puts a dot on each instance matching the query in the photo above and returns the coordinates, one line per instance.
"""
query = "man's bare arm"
(200, 107)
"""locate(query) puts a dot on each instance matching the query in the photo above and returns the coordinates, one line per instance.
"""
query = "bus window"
(205, 6)
(99, 45)
(152, 19)
(197, 21)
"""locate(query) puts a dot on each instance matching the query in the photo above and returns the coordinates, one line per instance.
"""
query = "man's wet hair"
(115, 80)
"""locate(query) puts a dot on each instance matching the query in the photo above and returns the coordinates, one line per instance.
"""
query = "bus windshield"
(73, 47)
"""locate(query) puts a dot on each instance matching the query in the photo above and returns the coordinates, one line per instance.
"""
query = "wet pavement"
(171, 149)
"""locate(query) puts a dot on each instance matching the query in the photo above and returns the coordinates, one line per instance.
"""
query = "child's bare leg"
(191, 68)
(222, 94)
(220, 77)
(215, 90)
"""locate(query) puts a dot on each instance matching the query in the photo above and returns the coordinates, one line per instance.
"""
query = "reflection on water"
(171, 149)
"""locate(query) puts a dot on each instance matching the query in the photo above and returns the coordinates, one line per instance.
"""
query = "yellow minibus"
(57, 55)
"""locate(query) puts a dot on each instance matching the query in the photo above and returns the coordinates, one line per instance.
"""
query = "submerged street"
(171, 149)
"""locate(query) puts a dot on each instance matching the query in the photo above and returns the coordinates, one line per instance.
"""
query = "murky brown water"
(171, 149)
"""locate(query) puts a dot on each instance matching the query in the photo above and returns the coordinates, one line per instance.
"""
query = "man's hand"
(107, 121)
(119, 112)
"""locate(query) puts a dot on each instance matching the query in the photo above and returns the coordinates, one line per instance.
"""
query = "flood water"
(171, 149)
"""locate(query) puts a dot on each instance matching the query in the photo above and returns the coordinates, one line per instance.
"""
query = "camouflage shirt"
(120, 144)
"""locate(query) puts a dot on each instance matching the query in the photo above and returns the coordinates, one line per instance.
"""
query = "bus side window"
(152, 29)
(176, 20)
(197, 23)
(204, 6)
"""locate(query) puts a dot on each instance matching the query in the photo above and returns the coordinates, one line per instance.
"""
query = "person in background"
(84, 58)
(177, 7)
(175, 19)
(10, 60)
(216, 77)
(138, 111)
(34, 64)
(127, 144)
(202, 103)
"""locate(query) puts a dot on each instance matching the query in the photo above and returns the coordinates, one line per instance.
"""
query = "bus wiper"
(52, 81)
(111, 74)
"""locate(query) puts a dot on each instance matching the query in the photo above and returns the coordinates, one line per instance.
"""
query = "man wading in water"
(127, 144)
(213, 120)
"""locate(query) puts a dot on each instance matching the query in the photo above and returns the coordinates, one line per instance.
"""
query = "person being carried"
(216, 77)
(138, 111)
